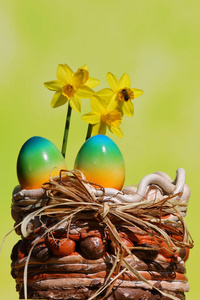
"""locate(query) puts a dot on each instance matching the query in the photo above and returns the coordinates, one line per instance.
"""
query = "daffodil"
(101, 117)
(71, 86)
(120, 94)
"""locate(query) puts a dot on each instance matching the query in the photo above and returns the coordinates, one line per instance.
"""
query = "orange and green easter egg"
(101, 161)
(38, 159)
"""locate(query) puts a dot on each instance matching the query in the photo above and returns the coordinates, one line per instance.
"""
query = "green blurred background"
(156, 42)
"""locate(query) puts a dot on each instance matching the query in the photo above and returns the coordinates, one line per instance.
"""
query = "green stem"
(66, 132)
(89, 132)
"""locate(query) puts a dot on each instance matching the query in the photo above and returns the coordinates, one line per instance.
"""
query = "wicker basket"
(80, 241)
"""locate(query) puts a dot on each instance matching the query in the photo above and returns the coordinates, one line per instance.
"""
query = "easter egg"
(38, 159)
(101, 161)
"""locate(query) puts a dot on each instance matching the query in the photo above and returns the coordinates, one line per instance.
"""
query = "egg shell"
(38, 159)
(101, 162)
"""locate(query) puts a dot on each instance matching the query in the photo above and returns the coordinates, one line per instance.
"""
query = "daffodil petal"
(128, 108)
(58, 100)
(102, 128)
(106, 94)
(116, 130)
(112, 81)
(124, 81)
(75, 103)
(99, 128)
(137, 92)
(78, 79)
(119, 106)
(98, 104)
(95, 128)
(91, 118)
(84, 92)
(53, 85)
(84, 67)
(112, 104)
(92, 82)
(64, 74)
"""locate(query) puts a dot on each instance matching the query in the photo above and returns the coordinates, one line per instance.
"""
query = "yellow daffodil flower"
(120, 94)
(71, 86)
(101, 117)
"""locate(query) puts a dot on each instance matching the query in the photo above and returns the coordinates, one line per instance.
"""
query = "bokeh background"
(156, 42)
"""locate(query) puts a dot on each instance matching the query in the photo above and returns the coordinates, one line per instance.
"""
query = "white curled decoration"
(163, 174)
(180, 183)
(180, 180)
(131, 195)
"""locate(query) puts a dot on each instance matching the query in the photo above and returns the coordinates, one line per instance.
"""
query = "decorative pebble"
(61, 247)
(92, 247)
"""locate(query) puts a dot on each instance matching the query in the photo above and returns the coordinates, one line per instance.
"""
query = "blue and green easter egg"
(101, 161)
(38, 159)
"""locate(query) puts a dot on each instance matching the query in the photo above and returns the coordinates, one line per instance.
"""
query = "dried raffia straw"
(69, 196)
(8, 234)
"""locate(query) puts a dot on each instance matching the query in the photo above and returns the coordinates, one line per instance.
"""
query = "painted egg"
(101, 162)
(38, 160)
